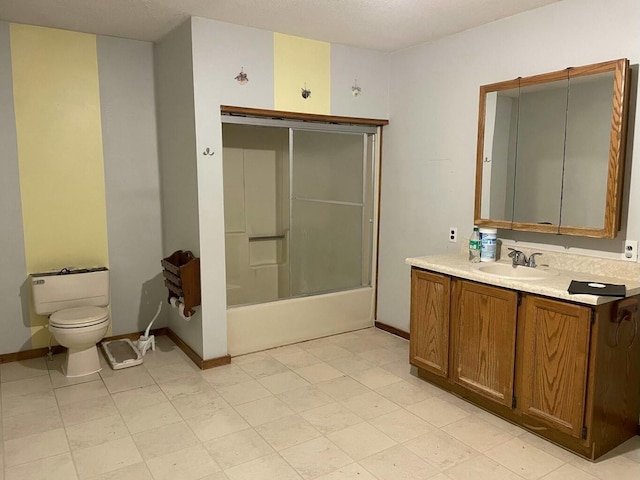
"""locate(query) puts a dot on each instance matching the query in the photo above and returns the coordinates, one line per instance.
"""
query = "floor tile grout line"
(275, 396)
(367, 420)
(4, 459)
(110, 394)
(64, 426)
(321, 434)
(555, 469)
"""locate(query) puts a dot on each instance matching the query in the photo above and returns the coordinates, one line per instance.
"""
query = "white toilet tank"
(68, 288)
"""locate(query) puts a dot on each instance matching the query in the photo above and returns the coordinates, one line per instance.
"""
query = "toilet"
(75, 300)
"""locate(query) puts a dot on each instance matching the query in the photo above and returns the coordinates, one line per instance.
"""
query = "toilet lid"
(79, 317)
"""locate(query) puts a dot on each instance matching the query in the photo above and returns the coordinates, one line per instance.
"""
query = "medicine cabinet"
(550, 155)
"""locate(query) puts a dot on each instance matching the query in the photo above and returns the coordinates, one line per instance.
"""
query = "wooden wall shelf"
(181, 271)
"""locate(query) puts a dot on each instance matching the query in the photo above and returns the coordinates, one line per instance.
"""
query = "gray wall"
(14, 320)
(132, 183)
(177, 149)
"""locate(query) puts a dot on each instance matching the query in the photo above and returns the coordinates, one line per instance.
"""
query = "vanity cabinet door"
(484, 339)
(429, 345)
(553, 344)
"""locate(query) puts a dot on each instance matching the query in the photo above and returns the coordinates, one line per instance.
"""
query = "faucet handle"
(532, 260)
(514, 252)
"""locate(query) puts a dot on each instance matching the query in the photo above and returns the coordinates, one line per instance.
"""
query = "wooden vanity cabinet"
(565, 371)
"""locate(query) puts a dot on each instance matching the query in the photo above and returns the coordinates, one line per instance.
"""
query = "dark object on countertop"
(597, 288)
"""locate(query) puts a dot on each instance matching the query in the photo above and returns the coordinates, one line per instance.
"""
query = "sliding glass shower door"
(330, 215)
(298, 210)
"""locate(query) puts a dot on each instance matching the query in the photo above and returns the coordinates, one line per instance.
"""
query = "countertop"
(555, 286)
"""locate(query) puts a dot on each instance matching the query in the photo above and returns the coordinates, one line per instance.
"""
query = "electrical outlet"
(631, 250)
(453, 234)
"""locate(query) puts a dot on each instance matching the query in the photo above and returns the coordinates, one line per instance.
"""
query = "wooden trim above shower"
(307, 117)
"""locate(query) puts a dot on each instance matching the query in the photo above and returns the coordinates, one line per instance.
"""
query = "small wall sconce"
(242, 77)
(306, 93)
(356, 90)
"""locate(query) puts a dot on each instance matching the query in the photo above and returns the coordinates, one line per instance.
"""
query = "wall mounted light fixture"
(306, 93)
(356, 90)
(242, 77)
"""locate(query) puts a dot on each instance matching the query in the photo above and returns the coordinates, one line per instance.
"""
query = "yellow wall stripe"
(298, 61)
(59, 136)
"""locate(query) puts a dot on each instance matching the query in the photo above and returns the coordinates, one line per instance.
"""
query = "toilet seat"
(79, 317)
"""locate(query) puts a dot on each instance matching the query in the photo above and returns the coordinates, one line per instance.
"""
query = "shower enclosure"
(299, 211)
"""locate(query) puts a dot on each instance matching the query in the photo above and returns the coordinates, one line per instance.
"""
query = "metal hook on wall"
(208, 151)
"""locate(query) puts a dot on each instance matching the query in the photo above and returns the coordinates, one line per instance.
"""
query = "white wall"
(220, 50)
(371, 70)
(430, 145)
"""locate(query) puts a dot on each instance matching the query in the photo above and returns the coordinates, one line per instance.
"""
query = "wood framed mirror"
(550, 154)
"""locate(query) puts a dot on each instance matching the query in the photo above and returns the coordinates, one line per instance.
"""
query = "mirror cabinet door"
(587, 151)
(540, 153)
(499, 154)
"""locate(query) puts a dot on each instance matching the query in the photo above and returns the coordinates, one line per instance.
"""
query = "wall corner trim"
(193, 355)
(55, 349)
(393, 330)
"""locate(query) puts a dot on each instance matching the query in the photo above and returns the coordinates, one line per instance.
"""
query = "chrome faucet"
(519, 258)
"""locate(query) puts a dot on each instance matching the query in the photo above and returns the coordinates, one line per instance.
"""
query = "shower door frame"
(239, 318)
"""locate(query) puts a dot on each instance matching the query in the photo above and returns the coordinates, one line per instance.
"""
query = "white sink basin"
(506, 270)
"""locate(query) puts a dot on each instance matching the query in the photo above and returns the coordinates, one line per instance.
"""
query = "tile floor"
(343, 407)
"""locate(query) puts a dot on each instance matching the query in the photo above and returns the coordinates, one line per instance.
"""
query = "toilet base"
(81, 362)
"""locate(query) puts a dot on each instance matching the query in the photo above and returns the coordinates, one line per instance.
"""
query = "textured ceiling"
(385, 25)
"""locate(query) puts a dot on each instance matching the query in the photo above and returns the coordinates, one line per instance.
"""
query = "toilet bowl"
(76, 301)
(80, 329)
